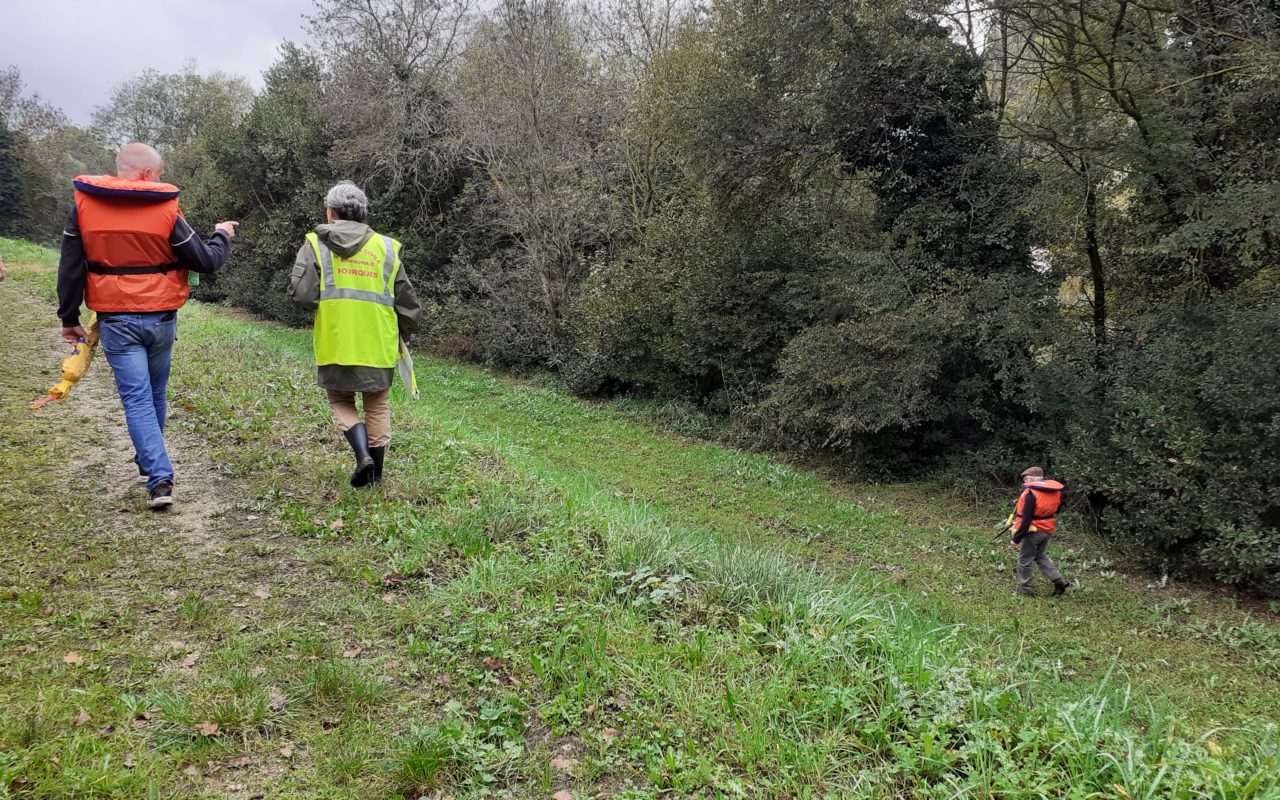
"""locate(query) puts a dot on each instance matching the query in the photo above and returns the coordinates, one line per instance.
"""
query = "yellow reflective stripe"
(326, 266)
(388, 266)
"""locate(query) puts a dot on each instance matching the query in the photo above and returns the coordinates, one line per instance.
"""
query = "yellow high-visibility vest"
(356, 320)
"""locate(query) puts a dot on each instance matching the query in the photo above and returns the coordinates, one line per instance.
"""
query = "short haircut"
(136, 157)
(348, 201)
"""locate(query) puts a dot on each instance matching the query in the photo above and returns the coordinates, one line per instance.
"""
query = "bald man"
(127, 254)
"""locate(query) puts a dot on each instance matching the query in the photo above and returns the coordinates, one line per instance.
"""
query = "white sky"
(71, 52)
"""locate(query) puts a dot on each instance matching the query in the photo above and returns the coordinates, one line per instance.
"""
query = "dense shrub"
(1185, 452)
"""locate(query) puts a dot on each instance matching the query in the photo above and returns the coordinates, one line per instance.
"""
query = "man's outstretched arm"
(201, 256)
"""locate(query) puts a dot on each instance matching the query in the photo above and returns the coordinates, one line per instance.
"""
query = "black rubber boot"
(378, 453)
(1060, 586)
(358, 438)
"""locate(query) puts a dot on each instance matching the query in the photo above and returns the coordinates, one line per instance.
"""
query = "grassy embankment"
(551, 596)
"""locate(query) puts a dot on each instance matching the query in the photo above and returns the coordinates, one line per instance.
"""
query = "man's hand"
(228, 227)
(75, 335)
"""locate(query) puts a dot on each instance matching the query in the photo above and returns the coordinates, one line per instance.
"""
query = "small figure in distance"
(1033, 526)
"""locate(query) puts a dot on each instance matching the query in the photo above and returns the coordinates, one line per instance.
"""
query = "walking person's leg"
(377, 416)
(123, 341)
(1026, 557)
(159, 360)
(162, 332)
(1046, 565)
(343, 406)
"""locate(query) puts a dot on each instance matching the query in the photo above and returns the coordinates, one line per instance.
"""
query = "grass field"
(550, 596)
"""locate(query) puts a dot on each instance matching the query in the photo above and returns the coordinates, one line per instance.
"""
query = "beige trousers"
(377, 413)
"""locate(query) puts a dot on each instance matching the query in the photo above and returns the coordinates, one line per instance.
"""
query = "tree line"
(924, 238)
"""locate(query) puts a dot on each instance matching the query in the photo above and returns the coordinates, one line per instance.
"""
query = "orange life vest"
(126, 226)
(1048, 496)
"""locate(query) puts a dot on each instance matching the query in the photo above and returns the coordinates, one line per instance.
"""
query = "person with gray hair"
(353, 279)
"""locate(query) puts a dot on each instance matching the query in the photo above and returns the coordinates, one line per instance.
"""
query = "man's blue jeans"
(138, 347)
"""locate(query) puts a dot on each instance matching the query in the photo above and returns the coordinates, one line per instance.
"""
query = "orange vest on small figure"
(1047, 499)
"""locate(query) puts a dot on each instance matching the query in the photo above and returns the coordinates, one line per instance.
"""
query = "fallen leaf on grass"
(336, 525)
(128, 760)
(277, 699)
(207, 728)
(190, 660)
(257, 672)
(73, 658)
(262, 593)
(563, 794)
(81, 718)
(287, 752)
(609, 733)
(492, 663)
(564, 764)
(240, 763)
(352, 652)
(389, 598)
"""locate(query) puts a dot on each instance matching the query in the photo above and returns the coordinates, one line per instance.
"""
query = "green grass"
(23, 256)
(550, 594)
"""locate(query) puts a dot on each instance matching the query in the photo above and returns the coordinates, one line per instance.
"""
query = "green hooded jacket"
(346, 238)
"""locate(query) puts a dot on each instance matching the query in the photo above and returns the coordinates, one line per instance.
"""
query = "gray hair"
(348, 201)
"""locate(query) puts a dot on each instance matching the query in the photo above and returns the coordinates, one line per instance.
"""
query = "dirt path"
(203, 493)
(117, 610)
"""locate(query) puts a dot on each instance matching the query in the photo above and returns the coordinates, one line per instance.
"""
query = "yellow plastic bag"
(74, 366)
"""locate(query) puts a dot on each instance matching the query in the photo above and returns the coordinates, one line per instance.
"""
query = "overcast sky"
(72, 52)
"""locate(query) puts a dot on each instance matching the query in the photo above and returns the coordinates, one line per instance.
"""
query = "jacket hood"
(344, 237)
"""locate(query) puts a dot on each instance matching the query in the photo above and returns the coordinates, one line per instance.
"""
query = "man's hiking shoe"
(1060, 587)
(358, 437)
(160, 496)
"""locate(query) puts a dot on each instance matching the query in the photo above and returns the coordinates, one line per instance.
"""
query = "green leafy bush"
(1185, 451)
